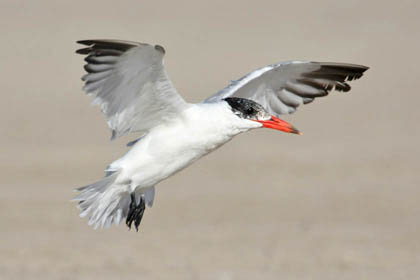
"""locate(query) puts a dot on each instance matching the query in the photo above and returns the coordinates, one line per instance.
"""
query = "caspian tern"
(129, 82)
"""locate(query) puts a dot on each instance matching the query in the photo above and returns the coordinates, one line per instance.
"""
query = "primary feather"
(282, 87)
(129, 82)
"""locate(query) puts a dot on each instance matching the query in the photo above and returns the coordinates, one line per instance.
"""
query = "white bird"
(129, 82)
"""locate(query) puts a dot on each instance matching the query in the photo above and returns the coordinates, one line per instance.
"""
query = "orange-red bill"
(278, 124)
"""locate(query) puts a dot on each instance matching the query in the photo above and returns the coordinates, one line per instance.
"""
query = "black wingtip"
(341, 72)
(349, 66)
(160, 49)
(364, 67)
(84, 51)
(85, 42)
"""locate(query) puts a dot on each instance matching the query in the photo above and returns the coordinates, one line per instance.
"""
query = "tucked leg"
(135, 212)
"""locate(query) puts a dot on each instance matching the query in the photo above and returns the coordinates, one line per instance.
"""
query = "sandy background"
(340, 202)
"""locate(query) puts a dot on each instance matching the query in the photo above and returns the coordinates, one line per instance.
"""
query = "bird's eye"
(250, 111)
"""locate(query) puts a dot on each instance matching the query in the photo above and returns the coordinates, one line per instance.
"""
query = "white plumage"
(130, 84)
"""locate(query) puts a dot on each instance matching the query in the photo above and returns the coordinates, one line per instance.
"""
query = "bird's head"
(250, 110)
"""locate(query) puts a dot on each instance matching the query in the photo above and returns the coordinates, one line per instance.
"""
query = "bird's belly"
(164, 154)
(154, 170)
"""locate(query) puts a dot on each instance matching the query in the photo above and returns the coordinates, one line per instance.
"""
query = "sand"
(340, 202)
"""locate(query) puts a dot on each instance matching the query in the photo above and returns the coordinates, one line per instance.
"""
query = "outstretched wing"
(280, 88)
(129, 82)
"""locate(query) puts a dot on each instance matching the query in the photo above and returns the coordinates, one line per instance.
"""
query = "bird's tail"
(105, 202)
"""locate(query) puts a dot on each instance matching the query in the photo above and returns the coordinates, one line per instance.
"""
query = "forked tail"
(106, 202)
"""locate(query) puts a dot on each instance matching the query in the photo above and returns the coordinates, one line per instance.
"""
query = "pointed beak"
(278, 124)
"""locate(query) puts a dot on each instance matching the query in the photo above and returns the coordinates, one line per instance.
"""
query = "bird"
(129, 82)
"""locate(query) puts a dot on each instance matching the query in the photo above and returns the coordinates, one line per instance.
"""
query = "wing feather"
(284, 86)
(129, 82)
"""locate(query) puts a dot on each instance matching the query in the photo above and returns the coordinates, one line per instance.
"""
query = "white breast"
(171, 147)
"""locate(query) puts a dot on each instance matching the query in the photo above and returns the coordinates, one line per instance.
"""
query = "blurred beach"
(339, 202)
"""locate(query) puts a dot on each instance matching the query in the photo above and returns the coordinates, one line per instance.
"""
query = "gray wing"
(281, 88)
(129, 82)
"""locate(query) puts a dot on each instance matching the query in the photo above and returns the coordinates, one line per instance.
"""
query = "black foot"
(135, 213)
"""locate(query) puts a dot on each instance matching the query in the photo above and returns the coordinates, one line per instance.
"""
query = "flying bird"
(129, 82)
